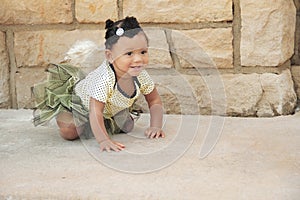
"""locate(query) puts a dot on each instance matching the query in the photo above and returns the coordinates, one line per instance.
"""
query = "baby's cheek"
(146, 60)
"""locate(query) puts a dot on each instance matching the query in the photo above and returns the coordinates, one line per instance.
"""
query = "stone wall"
(225, 57)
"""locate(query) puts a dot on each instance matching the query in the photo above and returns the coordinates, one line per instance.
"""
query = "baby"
(104, 97)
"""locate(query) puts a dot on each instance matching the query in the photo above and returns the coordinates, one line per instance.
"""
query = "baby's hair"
(130, 26)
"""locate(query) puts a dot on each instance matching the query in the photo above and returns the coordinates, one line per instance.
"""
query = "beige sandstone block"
(178, 11)
(159, 54)
(4, 73)
(242, 94)
(296, 78)
(35, 12)
(34, 48)
(95, 11)
(209, 93)
(279, 97)
(204, 48)
(25, 79)
(267, 34)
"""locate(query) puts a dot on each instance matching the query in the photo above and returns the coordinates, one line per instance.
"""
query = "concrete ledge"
(254, 158)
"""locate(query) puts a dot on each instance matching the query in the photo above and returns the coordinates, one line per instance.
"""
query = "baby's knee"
(69, 133)
(67, 127)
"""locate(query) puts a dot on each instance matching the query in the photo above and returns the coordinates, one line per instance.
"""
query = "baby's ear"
(108, 55)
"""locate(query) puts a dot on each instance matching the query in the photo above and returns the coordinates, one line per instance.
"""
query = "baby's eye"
(129, 53)
(144, 52)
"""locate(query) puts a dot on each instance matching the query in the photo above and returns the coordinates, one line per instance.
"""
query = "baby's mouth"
(136, 68)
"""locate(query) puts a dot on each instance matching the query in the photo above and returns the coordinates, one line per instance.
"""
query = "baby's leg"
(67, 127)
(128, 125)
(124, 121)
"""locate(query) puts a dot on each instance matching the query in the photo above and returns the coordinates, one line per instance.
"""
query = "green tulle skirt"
(56, 95)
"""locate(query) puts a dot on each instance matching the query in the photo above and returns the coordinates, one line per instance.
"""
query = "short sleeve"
(146, 83)
(98, 89)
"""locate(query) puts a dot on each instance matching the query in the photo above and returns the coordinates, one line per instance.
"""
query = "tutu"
(57, 94)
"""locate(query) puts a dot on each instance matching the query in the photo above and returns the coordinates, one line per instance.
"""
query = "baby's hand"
(108, 145)
(154, 132)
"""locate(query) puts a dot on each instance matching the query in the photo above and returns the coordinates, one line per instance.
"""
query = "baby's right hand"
(108, 145)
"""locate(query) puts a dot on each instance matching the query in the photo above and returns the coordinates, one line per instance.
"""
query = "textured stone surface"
(204, 48)
(178, 11)
(41, 47)
(178, 94)
(261, 95)
(4, 73)
(279, 97)
(159, 55)
(242, 94)
(268, 30)
(253, 159)
(95, 11)
(296, 77)
(25, 79)
(35, 12)
(224, 94)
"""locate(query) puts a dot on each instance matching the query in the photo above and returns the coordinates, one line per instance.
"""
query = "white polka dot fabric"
(100, 85)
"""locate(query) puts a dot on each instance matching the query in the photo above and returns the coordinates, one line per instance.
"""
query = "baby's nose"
(137, 58)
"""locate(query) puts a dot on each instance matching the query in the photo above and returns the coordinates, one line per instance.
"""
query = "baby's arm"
(98, 127)
(156, 115)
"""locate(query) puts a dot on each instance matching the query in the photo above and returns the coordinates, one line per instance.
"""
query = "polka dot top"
(101, 85)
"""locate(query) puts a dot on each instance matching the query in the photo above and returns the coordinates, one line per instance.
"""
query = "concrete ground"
(202, 157)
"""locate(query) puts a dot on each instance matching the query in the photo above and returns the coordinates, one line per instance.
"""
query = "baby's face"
(130, 55)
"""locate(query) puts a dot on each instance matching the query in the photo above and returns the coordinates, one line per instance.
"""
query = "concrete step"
(202, 157)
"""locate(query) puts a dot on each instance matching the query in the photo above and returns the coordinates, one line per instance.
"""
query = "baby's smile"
(136, 67)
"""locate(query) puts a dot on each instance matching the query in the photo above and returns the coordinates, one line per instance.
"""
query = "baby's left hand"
(154, 132)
